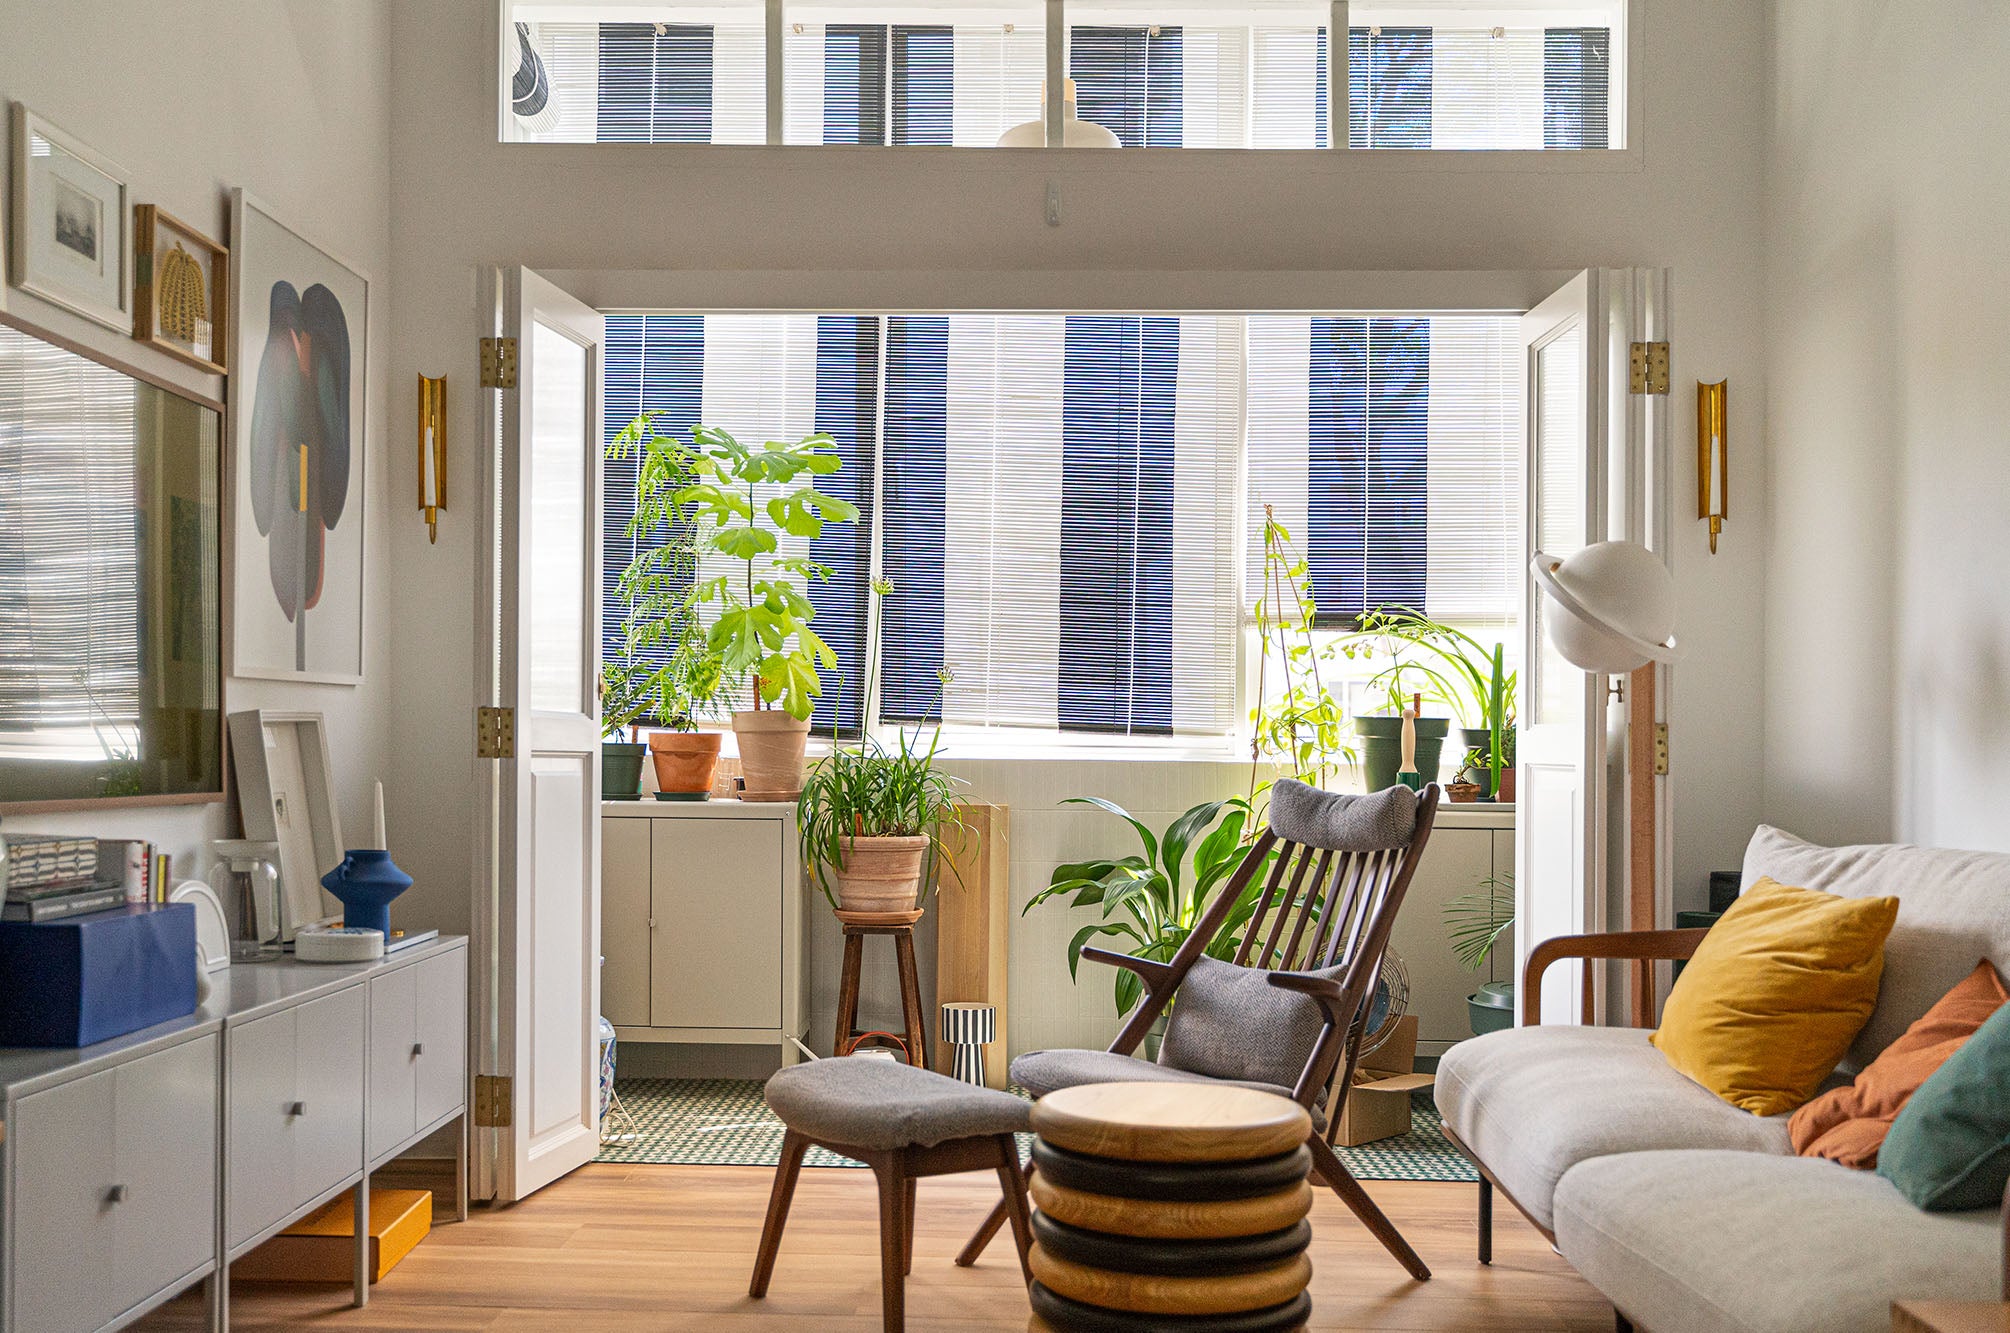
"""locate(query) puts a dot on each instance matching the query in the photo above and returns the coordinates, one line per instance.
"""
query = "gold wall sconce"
(432, 452)
(1713, 458)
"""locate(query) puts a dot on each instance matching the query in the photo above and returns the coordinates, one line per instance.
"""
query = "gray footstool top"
(884, 1104)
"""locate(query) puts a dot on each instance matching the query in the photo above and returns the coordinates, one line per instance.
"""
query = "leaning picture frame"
(72, 242)
(286, 794)
(181, 290)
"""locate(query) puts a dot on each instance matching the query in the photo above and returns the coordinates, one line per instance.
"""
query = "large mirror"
(111, 642)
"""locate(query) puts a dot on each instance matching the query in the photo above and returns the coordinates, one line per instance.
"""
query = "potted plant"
(623, 699)
(1301, 726)
(739, 501)
(873, 817)
(1444, 664)
(1477, 922)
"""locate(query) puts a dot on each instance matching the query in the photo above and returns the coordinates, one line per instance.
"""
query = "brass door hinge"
(1661, 749)
(495, 733)
(498, 363)
(1649, 368)
(494, 1095)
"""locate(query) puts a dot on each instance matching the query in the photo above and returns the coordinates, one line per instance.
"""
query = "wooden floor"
(646, 1248)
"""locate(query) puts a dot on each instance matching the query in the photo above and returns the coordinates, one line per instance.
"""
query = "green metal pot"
(1491, 1008)
(621, 770)
(1382, 748)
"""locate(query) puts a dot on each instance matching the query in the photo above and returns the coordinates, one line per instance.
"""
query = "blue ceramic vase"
(365, 883)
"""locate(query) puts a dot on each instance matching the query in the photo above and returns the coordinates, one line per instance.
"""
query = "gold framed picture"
(181, 289)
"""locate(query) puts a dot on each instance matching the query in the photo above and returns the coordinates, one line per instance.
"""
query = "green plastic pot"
(1382, 748)
(1481, 739)
(621, 770)
(1491, 1008)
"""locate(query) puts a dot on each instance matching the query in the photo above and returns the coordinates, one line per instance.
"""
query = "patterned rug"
(724, 1122)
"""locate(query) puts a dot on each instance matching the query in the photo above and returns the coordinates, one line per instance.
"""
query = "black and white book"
(95, 899)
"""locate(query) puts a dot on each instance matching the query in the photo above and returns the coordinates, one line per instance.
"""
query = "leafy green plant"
(1149, 900)
(1477, 921)
(1300, 724)
(1437, 660)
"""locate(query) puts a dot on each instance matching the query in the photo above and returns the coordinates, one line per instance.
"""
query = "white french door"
(540, 932)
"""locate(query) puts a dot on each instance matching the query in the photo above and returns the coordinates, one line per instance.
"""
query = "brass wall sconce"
(1713, 458)
(432, 452)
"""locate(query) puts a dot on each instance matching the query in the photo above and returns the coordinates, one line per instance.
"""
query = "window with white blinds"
(1067, 507)
(960, 74)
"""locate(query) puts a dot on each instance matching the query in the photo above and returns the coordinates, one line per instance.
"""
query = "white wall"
(949, 228)
(1888, 521)
(193, 97)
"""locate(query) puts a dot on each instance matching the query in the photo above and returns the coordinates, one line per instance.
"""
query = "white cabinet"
(418, 1050)
(702, 922)
(1469, 843)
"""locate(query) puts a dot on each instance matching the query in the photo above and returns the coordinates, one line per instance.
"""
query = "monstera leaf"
(299, 455)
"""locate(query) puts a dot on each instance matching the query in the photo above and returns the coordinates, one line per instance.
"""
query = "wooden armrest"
(1149, 972)
(1323, 989)
(1643, 945)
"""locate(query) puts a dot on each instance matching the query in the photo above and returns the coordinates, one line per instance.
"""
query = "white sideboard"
(701, 922)
(135, 1168)
(1468, 843)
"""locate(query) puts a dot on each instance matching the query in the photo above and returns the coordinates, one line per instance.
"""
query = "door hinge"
(495, 1094)
(495, 733)
(498, 363)
(1661, 749)
(1649, 362)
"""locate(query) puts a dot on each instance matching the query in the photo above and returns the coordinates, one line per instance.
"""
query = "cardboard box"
(1378, 1105)
(321, 1247)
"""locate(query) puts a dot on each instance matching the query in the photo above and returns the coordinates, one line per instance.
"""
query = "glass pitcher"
(246, 879)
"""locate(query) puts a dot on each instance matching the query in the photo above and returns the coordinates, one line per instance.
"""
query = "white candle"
(381, 842)
(428, 486)
(1716, 475)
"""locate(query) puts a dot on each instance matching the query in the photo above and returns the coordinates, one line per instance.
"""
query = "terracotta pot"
(771, 753)
(880, 874)
(1506, 794)
(684, 761)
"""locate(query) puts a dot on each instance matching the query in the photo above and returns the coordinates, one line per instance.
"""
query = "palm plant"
(1477, 921)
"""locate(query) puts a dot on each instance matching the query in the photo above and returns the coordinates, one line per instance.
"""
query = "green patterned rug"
(724, 1122)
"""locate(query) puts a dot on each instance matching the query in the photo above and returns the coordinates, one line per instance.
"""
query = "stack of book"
(51, 877)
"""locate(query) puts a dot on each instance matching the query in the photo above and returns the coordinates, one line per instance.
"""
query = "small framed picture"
(181, 289)
(72, 238)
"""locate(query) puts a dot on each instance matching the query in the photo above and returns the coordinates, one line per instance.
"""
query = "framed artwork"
(72, 245)
(286, 795)
(300, 332)
(181, 289)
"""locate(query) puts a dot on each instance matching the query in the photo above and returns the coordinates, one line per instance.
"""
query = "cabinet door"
(65, 1169)
(328, 1083)
(1456, 861)
(165, 1138)
(394, 1005)
(716, 953)
(259, 1075)
(442, 1043)
(624, 920)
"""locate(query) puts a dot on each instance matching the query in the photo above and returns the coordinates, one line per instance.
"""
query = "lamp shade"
(1612, 606)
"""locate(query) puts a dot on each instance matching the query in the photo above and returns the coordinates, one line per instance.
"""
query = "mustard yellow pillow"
(1776, 993)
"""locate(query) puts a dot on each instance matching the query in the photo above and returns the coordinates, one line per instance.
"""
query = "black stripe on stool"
(1171, 1182)
(1074, 1317)
(1170, 1258)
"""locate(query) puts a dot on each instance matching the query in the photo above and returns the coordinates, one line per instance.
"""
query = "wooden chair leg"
(892, 1245)
(1620, 1323)
(1336, 1174)
(794, 1146)
(1486, 1220)
(848, 982)
(1013, 1184)
(996, 1219)
(907, 1205)
(910, 1001)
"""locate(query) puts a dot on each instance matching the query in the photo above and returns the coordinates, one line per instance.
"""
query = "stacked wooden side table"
(1168, 1206)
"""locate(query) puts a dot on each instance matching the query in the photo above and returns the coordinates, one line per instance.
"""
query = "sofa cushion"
(1950, 1147)
(1534, 1102)
(1727, 1242)
(1954, 907)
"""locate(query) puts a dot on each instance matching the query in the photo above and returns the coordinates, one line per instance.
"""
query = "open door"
(539, 929)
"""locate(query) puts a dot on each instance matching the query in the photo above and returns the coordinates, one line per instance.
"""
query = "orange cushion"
(1848, 1125)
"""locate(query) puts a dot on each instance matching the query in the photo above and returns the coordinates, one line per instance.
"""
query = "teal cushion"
(1949, 1148)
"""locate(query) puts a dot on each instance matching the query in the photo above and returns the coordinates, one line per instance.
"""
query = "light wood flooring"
(645, 1248)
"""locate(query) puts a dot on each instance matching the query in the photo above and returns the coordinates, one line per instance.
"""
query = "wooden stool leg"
(975, 1247)
(892, 1243)
(1014, 1203)
(910, 1000)
(794, 1146)
(847, 1014)
(907, 1205)
(1334, 1173)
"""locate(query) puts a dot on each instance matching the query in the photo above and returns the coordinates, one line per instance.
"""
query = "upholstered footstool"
(904, 1123)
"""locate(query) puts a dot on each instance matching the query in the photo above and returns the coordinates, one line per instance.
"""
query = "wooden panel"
(164, 1132)
(716, 952)
(1640, 849)
(260, 1088)
(394, 1001)
(1950, 1317)
(328, 1085)
(442, 1027)
(624, 917)
(1454, 862)
(973, 927)
(64, 1171)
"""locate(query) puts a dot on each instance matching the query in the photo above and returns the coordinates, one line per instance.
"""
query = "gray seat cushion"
(1042, 1072)
(884, 1104)
(1729, 1242)
(1532, 1103)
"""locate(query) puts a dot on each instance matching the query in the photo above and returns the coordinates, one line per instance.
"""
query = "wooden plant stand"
(900, 925)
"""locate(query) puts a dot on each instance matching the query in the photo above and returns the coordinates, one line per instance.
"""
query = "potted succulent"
(1476, 923)
(738, 501)
(873, 817)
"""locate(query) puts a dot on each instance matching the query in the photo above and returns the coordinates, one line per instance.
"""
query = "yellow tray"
(321, 1246)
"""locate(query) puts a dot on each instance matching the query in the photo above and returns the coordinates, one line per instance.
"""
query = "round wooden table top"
(1171, 1122)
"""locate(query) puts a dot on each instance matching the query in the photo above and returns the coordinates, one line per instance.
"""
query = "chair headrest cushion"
(1340, 821)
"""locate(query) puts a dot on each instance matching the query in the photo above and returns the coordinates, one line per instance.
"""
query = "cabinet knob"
(116, 1194)
(418, 1049)
(296, 1108)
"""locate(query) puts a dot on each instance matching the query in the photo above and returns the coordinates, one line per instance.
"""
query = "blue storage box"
(88, 979)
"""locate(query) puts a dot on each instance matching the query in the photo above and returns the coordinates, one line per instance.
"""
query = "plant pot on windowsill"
(771, 753)
(621, 770)
(880, 874)
(684, 761)
(1382, 748)
(1481, 739)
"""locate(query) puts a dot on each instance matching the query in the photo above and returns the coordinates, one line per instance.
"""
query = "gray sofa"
(1693, 1216)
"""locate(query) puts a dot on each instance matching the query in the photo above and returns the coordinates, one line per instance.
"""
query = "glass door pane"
(556, 499)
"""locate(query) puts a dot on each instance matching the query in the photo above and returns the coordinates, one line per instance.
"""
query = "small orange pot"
(1506, 794)
(684, 761)
(880, 874)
